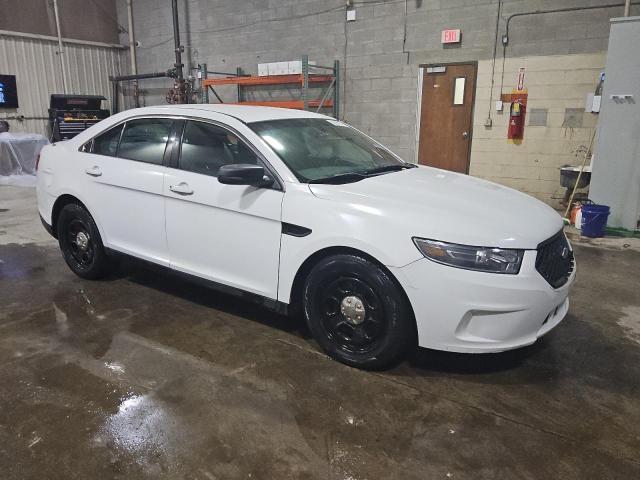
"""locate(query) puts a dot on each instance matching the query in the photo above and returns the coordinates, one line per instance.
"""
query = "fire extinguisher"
(516, 120)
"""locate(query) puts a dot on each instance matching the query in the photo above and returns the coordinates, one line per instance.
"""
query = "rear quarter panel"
(61, 172)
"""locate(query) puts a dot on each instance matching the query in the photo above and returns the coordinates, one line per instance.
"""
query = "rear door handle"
(182, 188)
(93, 171)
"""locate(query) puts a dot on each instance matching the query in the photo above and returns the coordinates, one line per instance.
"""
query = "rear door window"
(145, 140)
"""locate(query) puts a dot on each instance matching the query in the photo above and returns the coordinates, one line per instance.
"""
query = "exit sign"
(451, 36)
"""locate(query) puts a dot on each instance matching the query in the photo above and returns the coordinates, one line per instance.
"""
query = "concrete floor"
(144, 376)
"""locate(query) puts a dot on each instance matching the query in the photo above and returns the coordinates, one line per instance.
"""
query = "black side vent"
(295, 230)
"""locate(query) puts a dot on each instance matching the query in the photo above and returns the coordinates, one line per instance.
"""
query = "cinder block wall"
(557, 87)
(381, 53)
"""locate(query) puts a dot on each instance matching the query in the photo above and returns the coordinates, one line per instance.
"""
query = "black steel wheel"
(352, 314)
(80, 242)
(357, 313)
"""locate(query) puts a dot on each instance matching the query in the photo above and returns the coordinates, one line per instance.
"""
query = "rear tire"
(80, 242)
(357, 312)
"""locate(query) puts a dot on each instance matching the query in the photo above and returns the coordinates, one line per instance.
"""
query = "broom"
(566, 219)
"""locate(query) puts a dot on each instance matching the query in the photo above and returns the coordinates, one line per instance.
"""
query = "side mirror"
(244, 174)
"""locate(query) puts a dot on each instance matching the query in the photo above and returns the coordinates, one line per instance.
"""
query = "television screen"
(8, 91)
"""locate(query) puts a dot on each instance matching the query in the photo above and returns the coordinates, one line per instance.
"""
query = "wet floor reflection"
(145, 376)
(140, 428)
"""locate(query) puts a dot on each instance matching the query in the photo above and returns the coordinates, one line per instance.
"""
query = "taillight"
(37, 162)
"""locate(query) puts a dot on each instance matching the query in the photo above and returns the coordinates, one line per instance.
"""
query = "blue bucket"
(594, 220)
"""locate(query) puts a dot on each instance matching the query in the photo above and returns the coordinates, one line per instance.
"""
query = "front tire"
(80, 242)
(357, 312)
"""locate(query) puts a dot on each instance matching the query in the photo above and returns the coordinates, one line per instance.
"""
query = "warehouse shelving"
(312, 76)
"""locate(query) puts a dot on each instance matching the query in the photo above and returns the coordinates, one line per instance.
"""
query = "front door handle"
(182, 188)
(93, 171)
(465, 134)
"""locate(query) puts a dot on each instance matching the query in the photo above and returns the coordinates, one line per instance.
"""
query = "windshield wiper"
(351, 177)
(388, 168)
(341, 178)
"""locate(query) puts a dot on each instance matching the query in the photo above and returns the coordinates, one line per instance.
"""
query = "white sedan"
(307, 214)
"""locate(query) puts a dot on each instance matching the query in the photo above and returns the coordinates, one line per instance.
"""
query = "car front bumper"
(474, 312)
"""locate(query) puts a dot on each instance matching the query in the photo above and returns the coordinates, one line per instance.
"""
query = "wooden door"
(446, 116)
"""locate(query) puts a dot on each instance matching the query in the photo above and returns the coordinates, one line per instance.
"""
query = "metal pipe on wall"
(142, 76)
(60, 47)
(138, 76)
(70, 41)
(181, 88)
(132, 52)
(506, 39)
(627, 8)
(176, 41)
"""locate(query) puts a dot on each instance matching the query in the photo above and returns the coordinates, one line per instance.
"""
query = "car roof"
(244, 113)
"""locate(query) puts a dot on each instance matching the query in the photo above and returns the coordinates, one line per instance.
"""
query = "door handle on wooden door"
(465, 134)
(182, 188)
(93, 171)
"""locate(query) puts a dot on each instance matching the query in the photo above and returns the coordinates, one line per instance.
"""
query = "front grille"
(555, 260)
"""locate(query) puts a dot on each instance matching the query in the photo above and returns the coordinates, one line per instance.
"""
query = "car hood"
(447, 206)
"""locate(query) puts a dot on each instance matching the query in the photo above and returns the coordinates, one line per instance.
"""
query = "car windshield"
(321, 150)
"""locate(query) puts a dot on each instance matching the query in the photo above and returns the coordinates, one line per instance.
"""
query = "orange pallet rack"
(330, 97)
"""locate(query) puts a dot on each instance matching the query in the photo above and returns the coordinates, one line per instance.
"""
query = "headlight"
(482, 259)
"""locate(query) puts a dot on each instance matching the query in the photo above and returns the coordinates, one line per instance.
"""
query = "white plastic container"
(295, 67)
(279, 68)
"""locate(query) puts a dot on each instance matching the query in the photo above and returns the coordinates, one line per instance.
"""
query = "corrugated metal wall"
(37, 68)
